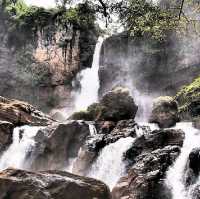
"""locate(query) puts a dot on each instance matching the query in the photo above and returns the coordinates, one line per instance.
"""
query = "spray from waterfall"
(89, 81)
(18, 153)
(175, 175)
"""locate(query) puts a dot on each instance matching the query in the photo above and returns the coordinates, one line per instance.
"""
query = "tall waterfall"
(17, 155)
(89, 81)
(109, 166)
(175, 175)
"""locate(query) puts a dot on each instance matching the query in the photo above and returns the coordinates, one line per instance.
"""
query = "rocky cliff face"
(43, 75)
(151, 67)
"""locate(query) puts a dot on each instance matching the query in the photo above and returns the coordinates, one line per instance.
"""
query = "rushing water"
(17, 155)
(109, 166)
(89, 81)
(175, 175)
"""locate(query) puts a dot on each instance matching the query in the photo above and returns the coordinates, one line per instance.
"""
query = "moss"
(81, 115)
(189, 99)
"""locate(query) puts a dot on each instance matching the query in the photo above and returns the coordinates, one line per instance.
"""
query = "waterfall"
(175, 175)
(109, 166)
(89, 81)
(18, 152)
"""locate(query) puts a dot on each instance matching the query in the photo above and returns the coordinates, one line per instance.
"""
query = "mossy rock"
(189, 100)
(116, 105)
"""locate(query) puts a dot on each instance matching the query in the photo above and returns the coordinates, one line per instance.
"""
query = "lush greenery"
(24, 22)
(189, 99)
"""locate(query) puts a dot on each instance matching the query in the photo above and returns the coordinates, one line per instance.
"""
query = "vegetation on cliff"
(189, 100)
(26, 23)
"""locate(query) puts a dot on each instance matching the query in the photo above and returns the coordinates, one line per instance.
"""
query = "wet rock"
(57, 143)
(165, 112)
(145, 180)
(18, 184)
(196, 122)
(196, 192)
(157, 139)
(21, 113)
(116, 105)
(6, 132)
(193, 167)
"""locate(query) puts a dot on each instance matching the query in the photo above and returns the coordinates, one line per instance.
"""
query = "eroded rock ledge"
(18, 184)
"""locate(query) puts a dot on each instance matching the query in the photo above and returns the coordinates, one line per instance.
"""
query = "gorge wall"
(42, 75)
(147, 65)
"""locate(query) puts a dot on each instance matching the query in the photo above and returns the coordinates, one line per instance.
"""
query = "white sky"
(44, 3)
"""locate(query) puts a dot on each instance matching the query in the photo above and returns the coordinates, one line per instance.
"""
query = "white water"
(89, 81)
(175, 174)
(16, 155)
(109, 166)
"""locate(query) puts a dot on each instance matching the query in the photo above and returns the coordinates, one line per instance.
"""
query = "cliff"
(40, 68)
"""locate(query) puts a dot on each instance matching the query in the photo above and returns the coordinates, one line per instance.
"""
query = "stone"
(21, 113)
(18, 184)
(164, 112)
(58, 143)
(114, 106)
(6, 132)
(145, 180)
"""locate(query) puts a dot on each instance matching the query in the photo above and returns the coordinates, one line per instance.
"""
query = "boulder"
(21, 113)
(147, 162)
(188, 99)
(193, 167)
(6, 132)
(58, 143)
(114, 106)
(145, 180)
(157, 139)
(196, 122)
(164, 112)
(18, 184)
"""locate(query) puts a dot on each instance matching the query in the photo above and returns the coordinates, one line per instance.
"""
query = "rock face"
(6, 132)
(165, 112)
(43, 75)
(21, 113)
(149, 66)
(149, 158)
(114, 106)
(17, 184)
(56, 144)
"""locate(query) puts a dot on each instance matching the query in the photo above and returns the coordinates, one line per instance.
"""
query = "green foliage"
(142, 18)
(24, 23)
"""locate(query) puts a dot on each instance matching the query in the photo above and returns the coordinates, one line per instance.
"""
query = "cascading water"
(175, 175)
(109, 166)
(17, 155)
(89, 81)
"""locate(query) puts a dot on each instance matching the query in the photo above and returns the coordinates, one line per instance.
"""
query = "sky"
(44, 3)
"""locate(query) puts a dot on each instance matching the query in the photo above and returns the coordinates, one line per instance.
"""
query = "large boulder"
(145, 180)
(147, 162)
(189, 100)
(114, 106)
(6, 132)
(164, 112)
(21, 113)
(58, 143)
(18, 184)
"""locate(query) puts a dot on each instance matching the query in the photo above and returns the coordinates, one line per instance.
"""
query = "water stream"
(17, 155)
(89, 81)
(175, 175)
